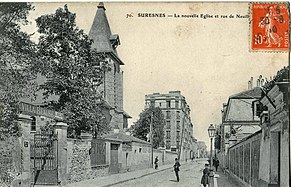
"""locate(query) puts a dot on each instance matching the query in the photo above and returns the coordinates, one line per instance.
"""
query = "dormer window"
(114, 40)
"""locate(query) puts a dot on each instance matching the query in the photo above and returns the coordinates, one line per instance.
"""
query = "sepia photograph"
(99, 94)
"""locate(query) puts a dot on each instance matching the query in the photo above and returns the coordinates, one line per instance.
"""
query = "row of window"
(168, 104)
(168, 135)
(168, 114)
(168, 124)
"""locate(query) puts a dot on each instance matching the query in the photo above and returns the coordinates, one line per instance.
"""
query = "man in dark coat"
(205, 176)
(215, 163)
(176, 168)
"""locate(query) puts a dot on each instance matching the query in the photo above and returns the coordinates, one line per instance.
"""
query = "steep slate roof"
(249, 94)
(124, 138)
(240, 109)
(101, 34)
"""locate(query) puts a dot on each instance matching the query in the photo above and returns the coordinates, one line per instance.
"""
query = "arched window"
(33, 124)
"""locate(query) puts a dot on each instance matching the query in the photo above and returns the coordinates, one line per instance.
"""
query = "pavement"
(224, 180)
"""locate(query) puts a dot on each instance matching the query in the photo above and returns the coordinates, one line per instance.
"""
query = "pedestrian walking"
(176, 169)
(215, 163)
(205, 176)
(156, 162)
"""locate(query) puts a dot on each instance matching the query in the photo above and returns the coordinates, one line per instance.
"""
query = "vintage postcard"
(144, 94)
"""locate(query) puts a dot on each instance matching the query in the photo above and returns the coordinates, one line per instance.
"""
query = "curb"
(119, 182)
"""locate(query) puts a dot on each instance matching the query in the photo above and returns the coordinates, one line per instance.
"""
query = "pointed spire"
(100, 32)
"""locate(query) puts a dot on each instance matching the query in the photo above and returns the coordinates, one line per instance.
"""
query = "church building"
(112, 88)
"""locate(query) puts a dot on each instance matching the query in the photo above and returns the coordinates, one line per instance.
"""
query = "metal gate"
(44, 155)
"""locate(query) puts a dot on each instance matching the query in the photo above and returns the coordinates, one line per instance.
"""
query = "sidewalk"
(119, 178)
(224, 180)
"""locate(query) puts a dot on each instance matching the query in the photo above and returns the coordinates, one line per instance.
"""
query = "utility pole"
(151, 140)
(181, 142)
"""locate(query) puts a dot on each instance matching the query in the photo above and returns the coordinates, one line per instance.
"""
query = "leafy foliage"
(16, 56)
(73, 71)
(142, 127)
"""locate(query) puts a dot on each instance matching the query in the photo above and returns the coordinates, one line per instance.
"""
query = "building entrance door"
(114, 166)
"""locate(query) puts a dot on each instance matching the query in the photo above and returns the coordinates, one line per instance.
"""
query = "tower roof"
(100, 32)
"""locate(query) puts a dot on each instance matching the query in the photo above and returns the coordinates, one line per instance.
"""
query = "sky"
(208, 60)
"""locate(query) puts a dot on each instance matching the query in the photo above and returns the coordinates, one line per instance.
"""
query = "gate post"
(25, 123)
(60, 129)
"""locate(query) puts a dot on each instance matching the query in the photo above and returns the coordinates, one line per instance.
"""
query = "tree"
(73, 71)
(16, 57)
(142, 127)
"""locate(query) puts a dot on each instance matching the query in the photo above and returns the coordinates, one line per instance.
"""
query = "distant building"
(202, 150)
(112, 87)
(179, 128)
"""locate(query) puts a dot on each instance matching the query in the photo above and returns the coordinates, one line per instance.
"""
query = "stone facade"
(10, 160)
(78, 162)
(179, 128)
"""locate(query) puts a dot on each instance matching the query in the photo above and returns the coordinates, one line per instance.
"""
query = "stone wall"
(160, 155)
(10, 160)
(170, 157)
(138, 157)
(78, 162)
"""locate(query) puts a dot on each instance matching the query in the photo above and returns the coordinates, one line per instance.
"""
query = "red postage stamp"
(270, 26)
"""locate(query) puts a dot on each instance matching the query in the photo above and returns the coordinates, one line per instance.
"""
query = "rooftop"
(254, 93)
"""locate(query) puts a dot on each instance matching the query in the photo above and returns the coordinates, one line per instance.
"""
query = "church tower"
(106, 43)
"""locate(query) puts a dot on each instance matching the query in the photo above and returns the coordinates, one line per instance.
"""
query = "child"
(204, 179)
(156, 162)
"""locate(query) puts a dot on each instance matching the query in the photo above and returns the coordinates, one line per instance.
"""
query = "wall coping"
(60, 125)
(24, 117)
(246, 138)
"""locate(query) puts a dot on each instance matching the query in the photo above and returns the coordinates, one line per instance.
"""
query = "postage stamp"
(270, 27)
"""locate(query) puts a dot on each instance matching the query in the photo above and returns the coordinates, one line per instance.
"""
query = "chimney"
(249, 85)
(258, 83)
(262, 82)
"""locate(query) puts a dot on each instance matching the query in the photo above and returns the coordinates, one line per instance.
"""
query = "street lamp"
(211, 133)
